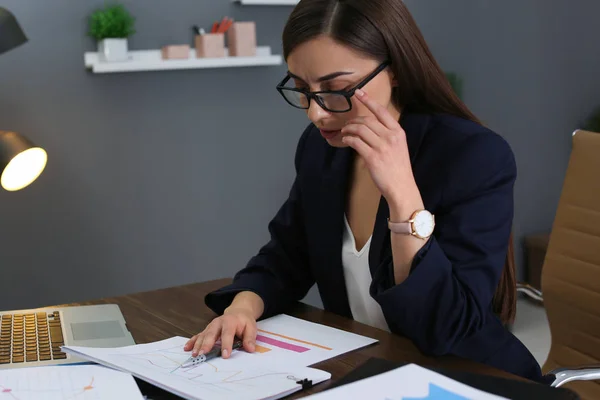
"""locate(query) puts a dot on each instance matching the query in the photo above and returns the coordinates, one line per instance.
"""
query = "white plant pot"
(113, 50)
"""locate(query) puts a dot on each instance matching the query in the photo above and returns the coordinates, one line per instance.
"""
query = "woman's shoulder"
(472, 156)
(467, 144)
(460, 133)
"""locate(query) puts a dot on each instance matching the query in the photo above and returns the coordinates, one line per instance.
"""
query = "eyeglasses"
(336, 101)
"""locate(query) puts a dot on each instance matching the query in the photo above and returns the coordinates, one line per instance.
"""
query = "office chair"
(571, 273)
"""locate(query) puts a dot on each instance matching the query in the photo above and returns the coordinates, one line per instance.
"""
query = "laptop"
(32, 338)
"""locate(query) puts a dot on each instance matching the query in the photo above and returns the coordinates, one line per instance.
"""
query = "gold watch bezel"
(412, 224)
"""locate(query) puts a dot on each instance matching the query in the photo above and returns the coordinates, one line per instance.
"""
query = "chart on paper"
(238, 377)
(289, 343)
(284, 340)
(289, 340)
(285, 347)
(218, 375)
(82, 382)
(36, 387)
(410, 382)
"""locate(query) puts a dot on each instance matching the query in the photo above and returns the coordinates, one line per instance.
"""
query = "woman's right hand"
(238, 320)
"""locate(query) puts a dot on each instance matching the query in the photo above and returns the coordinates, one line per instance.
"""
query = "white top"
(357, 276)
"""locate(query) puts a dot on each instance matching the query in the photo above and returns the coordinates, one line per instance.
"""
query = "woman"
(389, 143)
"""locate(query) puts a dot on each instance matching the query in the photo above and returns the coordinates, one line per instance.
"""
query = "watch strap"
(404, 228)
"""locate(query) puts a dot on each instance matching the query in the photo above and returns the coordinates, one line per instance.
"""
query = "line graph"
(288, 345)
(39, 387)
(216, 376)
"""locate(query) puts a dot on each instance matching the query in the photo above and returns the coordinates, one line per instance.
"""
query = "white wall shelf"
(267, 2)
(151, 60)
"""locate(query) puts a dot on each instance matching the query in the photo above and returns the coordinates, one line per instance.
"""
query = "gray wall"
(154, 179)
(532, 73)
(164, 178)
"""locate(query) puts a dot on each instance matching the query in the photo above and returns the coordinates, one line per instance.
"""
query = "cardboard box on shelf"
(241, 39)
(177, 51)
(210, 45)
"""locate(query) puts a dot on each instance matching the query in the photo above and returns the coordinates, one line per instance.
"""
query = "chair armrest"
(530, 291)
(564, 375)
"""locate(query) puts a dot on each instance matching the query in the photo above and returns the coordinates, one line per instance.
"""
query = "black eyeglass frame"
(315, 95)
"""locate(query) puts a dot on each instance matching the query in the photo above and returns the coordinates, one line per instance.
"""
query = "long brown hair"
(385, 30)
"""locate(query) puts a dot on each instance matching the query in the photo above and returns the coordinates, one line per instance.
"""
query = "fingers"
(249, 337)
(190, 343)
(227, 337)
(363, 149)
(209, 337)
(382, 114)
(226, 328)
(370, 122)
(364, 132)
(197, 345)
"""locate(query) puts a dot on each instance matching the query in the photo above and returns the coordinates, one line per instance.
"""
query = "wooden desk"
(161, 314)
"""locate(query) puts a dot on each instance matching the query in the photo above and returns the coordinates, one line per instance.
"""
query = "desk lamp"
(21, 162)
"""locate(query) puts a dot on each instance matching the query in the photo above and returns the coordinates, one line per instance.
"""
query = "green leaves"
(114, 21)
(456, 82)
(593, 122)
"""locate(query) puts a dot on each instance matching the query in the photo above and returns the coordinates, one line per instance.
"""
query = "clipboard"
(152, 392)
(516, 390)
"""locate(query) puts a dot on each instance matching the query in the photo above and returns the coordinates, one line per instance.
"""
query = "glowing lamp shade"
(21, 162)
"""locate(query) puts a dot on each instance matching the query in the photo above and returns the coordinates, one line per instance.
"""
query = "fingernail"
(225, 352)
(359, 92)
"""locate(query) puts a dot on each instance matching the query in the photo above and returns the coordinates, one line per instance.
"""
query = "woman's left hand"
(381, 142)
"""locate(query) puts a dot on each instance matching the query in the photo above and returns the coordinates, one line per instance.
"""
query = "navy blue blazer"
(465, 174)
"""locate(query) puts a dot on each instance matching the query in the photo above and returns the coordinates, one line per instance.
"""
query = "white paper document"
(78, 382)
(293, 341)
(285, 347)
(238, 377)
(410, 382)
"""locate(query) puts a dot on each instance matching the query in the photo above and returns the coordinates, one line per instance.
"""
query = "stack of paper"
(285, 347)
(410, 382)
(79, 382)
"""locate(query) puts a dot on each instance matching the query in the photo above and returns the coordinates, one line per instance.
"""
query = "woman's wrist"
(403, 205)
(248, 301)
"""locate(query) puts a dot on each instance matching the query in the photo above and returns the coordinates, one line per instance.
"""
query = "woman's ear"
(393, 80)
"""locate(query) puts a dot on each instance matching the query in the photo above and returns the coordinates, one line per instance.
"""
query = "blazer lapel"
(334, 186)
(335, 182)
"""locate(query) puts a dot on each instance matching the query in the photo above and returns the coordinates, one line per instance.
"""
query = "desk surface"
(161, 314)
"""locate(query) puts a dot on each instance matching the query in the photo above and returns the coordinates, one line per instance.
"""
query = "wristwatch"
(420, 224)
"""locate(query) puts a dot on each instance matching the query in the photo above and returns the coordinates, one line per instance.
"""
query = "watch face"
(423, 224)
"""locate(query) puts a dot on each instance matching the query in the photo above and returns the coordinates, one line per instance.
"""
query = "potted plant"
(593, 122)
(456, 82)
(111, 27)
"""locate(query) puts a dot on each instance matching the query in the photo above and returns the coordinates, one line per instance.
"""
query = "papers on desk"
(238, 377)
(285, 347)
(291, 341)
(410, 382)
(67, 382)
